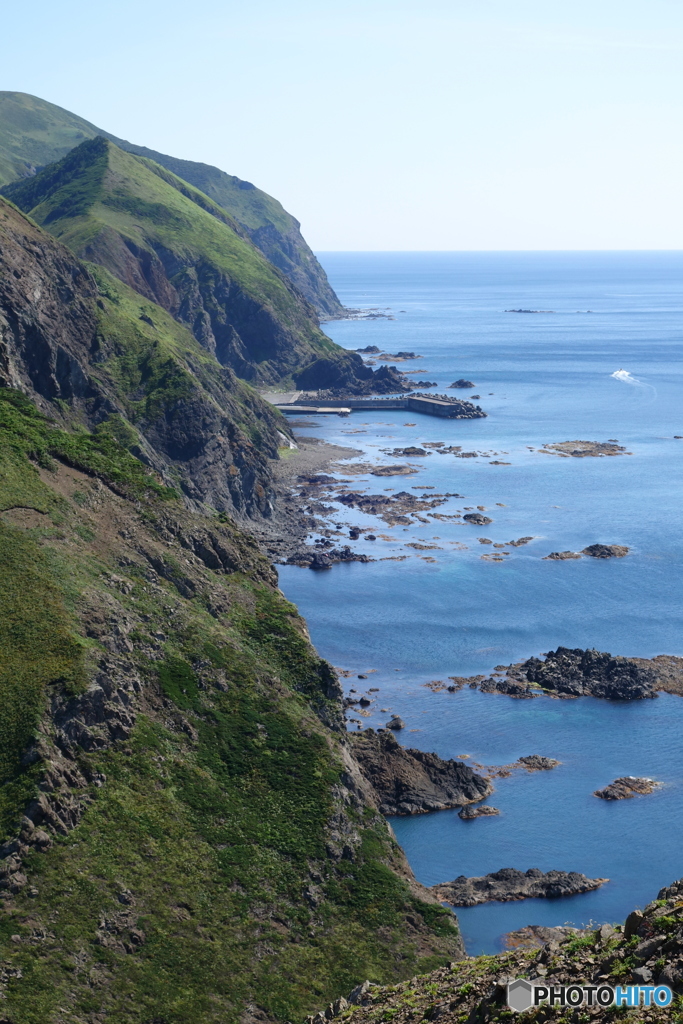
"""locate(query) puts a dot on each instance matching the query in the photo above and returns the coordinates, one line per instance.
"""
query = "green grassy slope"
(34, 133)
(215, 871)
(174, 245)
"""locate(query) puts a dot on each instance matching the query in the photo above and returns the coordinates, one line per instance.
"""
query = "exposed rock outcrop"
(483, 811)
(339, 378)
(576, 672)
(605, 551)
(509, 884)
(626, 787)
(408, 781)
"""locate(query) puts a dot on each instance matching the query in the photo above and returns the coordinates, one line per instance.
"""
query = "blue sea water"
(542, 378)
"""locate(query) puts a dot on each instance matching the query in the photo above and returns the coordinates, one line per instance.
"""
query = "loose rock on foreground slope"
(646, 949)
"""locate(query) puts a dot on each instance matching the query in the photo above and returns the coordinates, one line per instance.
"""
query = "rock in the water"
(412, 781)
(605, 551)
(477, 519)
(561, 556)
(393, 471)
(573, 672)
(312, 559)
(509, 884)
(462, 383)
(538, 763)
(396, 723)
(583, 449)
(627, 787)
(470, 813)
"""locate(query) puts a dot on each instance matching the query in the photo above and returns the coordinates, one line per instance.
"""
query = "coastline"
(284, 532)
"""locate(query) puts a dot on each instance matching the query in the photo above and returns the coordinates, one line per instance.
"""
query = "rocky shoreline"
(406, 781)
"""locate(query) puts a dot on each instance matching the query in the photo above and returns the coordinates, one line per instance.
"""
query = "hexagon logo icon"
(520, 995)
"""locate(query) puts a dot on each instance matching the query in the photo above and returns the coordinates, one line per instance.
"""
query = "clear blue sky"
(387, 124)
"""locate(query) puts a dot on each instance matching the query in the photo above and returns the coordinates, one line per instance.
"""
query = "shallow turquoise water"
(415, 621)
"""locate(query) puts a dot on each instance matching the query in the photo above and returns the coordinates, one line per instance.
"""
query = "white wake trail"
(627, 378)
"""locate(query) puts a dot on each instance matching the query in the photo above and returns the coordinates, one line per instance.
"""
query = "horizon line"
(497, 251)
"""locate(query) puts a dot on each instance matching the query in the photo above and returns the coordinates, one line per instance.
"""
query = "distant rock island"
(509, 884)
(462, 383)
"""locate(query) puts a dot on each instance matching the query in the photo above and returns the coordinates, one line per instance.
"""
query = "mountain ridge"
(34, 133)
(172, 244)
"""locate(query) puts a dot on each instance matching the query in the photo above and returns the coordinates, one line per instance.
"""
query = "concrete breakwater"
(444, 406)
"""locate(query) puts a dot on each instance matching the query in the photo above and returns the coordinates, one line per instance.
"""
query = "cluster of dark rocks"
(592, 551)
(309, 558)
(483, 811)
(574, 672)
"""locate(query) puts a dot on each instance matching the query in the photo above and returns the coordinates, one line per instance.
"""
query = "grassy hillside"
(172, 244)
(34, 133)
(196, 847)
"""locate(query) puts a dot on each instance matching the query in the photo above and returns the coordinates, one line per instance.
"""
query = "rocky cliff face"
(272, 230)
(93, 352)
(182, 822)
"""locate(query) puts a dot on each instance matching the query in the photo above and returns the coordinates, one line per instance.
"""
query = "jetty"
(302, 402)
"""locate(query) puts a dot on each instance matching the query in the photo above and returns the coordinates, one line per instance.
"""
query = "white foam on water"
(625, 376)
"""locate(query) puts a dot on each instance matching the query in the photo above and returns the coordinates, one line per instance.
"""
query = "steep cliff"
(91, 351)
(184, 832)
(177, 248)
(34, 133)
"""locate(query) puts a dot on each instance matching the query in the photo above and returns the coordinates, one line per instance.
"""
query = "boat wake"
(627, 378)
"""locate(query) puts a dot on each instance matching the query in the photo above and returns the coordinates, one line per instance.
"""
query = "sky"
(388, 124)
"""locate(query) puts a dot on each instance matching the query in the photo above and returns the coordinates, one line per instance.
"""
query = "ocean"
(445, 610)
